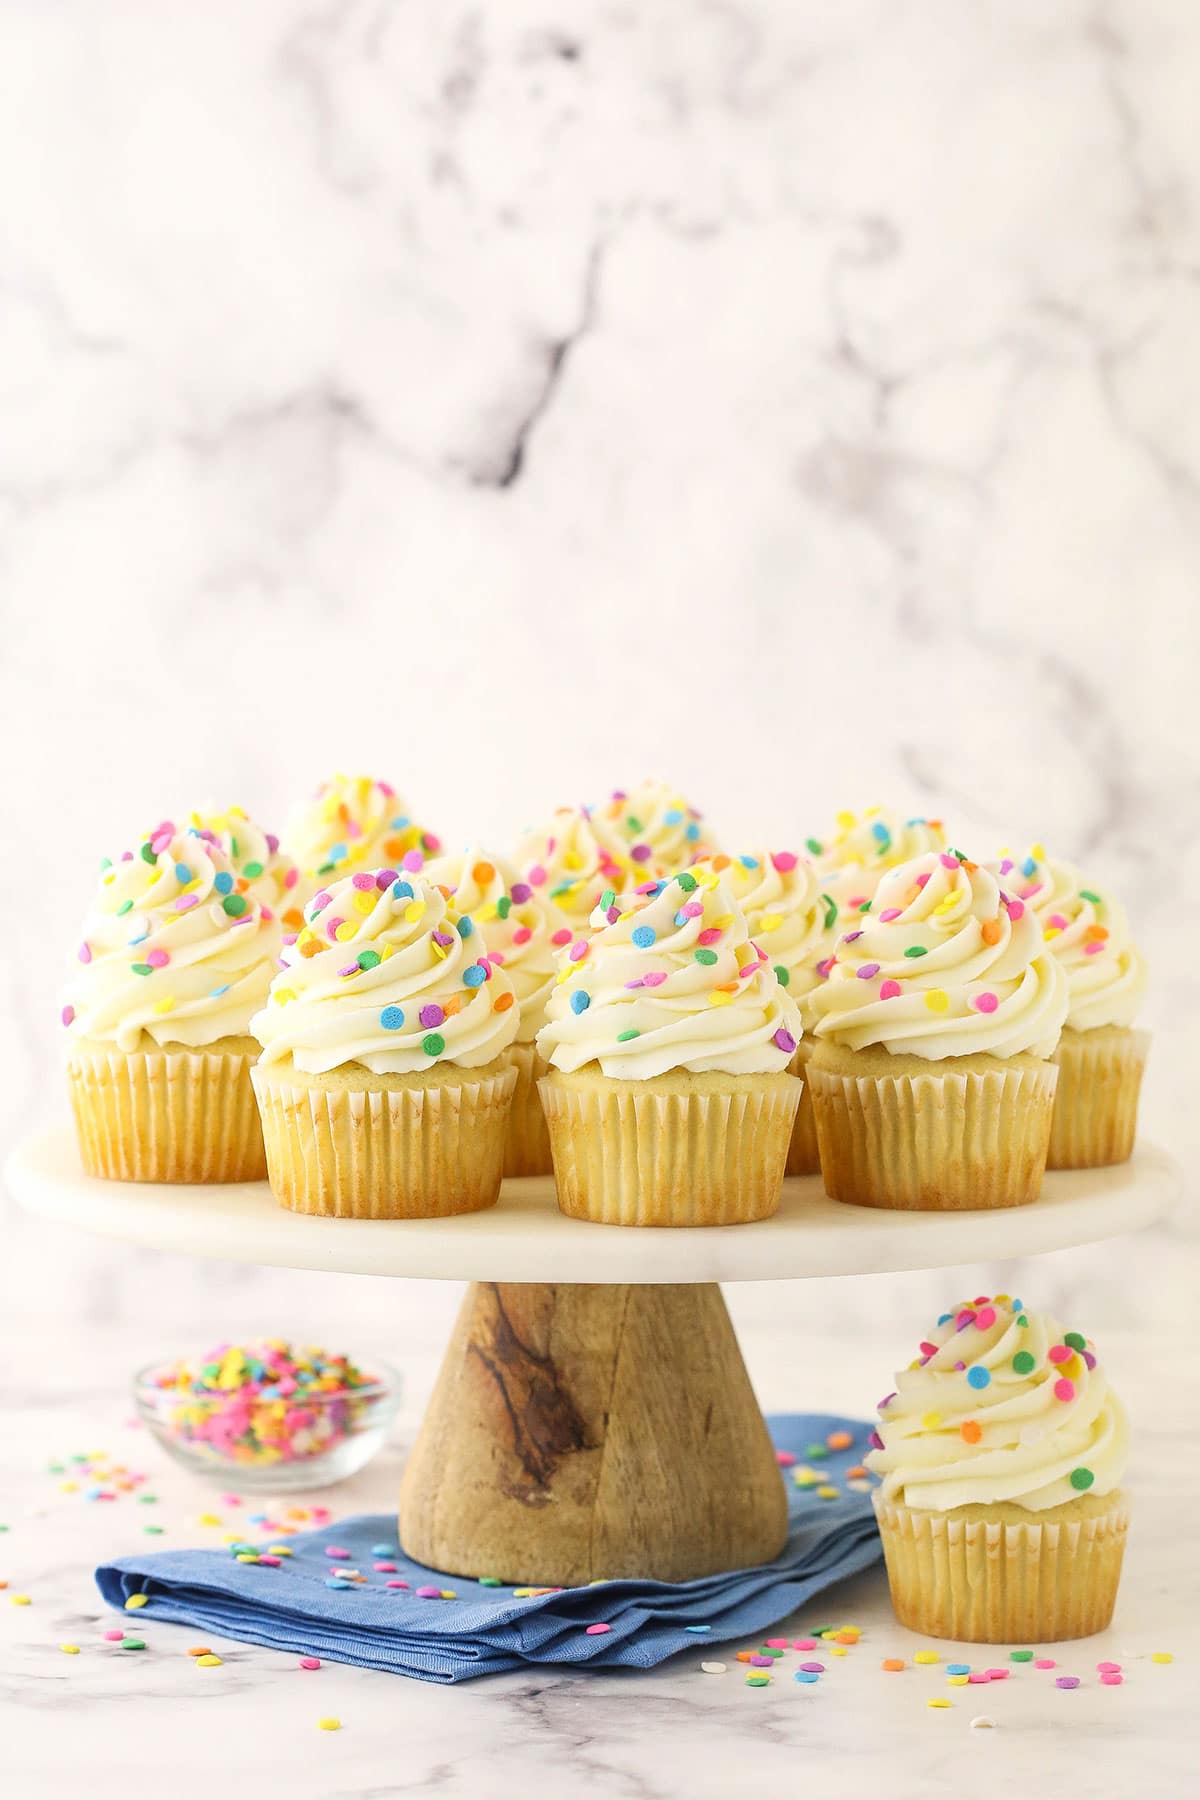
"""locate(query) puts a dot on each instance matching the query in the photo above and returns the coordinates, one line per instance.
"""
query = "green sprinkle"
(504, 906)
(147, 1499)
(865, 907)
(707, 957)
(153, 1530)
(1020, 1656)
(1024, 1362)
(252, 870)
(623, 1037)
(1081, 1479)
(1023, 1319)
(813, 846)
(132, 1644)
(782, 975)
(687, 882)
(369, 959)
(147, 854)
(433, 1043)
(916, 950)
(1076, 1340)
(494, 1580)
(142, 968)
(125, 906)
(816, 1453)
(606, 899)
(1087, 894)
(235, 905)
(757, 1680)
(830, 911)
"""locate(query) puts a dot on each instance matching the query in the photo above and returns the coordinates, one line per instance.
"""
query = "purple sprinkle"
(761, 1662)
(443, 938)
(1066, 1681)
(384, 879)
(875, 1441)
(813, 1668)
(640, 853)
(1089, 1359)
(521, 892)
(851, 937)
(785, 1040)
(431, 1016)
(867, 971)
(350, 969)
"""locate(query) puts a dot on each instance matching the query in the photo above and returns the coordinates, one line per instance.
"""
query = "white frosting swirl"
(653, 827)
(779, 895)
(565, 862)
(669, 980)
(353, 822)
(385, 973)
(940, 964)
(1084, 930)
(517, 922)
(176, 945)
(268, 871)
(1000, 1405)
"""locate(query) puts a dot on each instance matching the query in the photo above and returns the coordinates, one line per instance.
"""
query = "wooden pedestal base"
(580, 1433)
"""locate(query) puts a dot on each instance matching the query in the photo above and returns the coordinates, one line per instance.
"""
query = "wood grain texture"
(579, 1433)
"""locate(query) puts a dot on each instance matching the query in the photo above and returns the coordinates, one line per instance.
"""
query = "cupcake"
(653, 827)
(669, 1037)
(521, 935)
(384, 1082)
(1100, 1056)
(566, 864)
(1001, 1455)
(263, 869)
(786, 915)
(930, 1073)
(176, 956)
(352, 823)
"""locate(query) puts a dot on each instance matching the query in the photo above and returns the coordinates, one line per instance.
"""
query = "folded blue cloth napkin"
(486, 1629)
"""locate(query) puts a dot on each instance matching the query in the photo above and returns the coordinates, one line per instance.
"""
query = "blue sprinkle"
(979, 1377)
(391, 1018)
(384, 1549)
(945, 1318)
(335, 1581)
(692, 832)
(401, 890)
(337, 853)
(643, 936)
(958, 1668)
(806, 1676)
(879, 830)
(215, 993)
(222, 882)
(679, 919)
(1029, 867)
(475, 976)
(182, 873)
(697, 1628)
(672, 816)
(399, 823)
(748, 862)
(580, 1001)
(138, 940)
(465, 927)
(257, 1518)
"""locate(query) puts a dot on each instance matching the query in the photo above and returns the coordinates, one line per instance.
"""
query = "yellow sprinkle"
(280, 1550)
(69, 1649)
(846, 821)
(208, 1662)
(363, 903)
(926, 1656)
(330, 1724)
(838, 1650)
(449, 1594)
(716, 998)
(1052, 931)
(209, 1519)
(770, 922)
(827, 1493)
(165, 1004)
(484, 913)
(69, 1487)
(232, 1537)
(413, 911)
(958, 1680)
(136, 1600)
(937, 1700)
(937, 1001)
(572, 860)
(930, 1421)
(1162, 1656)
(345, 930)
(805, 1478)
(438, 949)
(20, 1599)
(246, 1556)
(522, 1593)
(281, 996)
(1038, 852)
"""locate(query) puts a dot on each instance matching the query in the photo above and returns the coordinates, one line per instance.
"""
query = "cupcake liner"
(406, 1152)
(633, 1153)
(943, 1142)
(1051, 1576)
(1096, 1103)
(527, 1144)
(174, 1116)
(803, 1157)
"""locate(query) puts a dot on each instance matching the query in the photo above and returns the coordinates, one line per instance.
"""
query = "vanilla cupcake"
(931, 1080)
(1001, 1454)
(1100, 1056)
(564, 862)
(521, 934)
(263, 869)
(786, 915)
(353, 822)
(669, 1037)
(176, 956)
(652, 827)
(384, 1082)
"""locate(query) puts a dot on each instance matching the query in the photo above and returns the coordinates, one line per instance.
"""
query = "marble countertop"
(154, 1719)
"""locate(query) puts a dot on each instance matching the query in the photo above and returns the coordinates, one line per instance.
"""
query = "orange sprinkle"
(720, 862)
(990, 931)
(846, 1637)
(199, 1650)
(971, 1431)
(744, 1655)
(839, 1440)
(1097, 933)
(395, 847)
(502, 1002)
(891, 1663)
(857, 1473)
(483, 872)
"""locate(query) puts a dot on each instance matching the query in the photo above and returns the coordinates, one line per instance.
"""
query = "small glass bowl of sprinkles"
(269, 1416)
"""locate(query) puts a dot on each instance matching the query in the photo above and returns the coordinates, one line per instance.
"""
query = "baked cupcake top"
(653, 827)
(669, 979)
(177, 946)
(565, 862)
(785, 913)
(263, 870)
(851, 861)
(942, 963)
(1000, 1404)
(386, 973)
(517, 924)
(353, 822)
(1086, 931)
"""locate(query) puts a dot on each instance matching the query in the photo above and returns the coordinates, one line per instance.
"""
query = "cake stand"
(593, 1417)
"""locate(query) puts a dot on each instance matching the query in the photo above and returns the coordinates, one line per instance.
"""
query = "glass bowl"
(267, 1445)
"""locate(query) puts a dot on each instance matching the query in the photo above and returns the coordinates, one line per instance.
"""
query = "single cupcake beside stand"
(1100, 1056)
(1002, 1453)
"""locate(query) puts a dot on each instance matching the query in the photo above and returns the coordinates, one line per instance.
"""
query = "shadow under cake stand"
(593, 1416)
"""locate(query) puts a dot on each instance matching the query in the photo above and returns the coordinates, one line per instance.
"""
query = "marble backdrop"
(800, 401)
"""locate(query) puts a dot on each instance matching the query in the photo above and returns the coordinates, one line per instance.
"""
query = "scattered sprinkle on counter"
(208, 1661)
(329, 1724)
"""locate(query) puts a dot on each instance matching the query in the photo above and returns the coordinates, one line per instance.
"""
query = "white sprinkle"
(983, 1723)
(712, 1668)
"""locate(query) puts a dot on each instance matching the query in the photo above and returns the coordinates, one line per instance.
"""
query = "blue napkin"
(484, 1630)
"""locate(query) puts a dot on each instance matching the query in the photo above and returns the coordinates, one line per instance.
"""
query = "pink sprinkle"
(711, 935)
(926, 1348)
(338, 1554)
(922, 879)
(186, 902)
(114, 1637)
(1060, 1353)
(1092, 949)
(978, 1675)
(578, 950)
(986, 1003)
(162, 840)
(597, 1630)
(522, 934)
(310, 1662)
(997, 1674)
(1064, 1389)
(948, 862)
(784, 861)
(964, 1318)
(1113, 1679)
(384, 1568)
(85, 953)
(1045, 1662)
(429, 1593)
(888, 914)
(536, 876)
(777, 1643)
(562, 936)
(291, 878)
(692, 909)
(785, 1459)
(804, 1643)
(1016, 910)
(985, 1318)
(889, 990)
(1109, 1668)
(362, 881)
(412, 860)
(321, 1515)
(68, 1015)
(655, 978)
(395, 1584)
(1058, 921)
(271, 1562)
